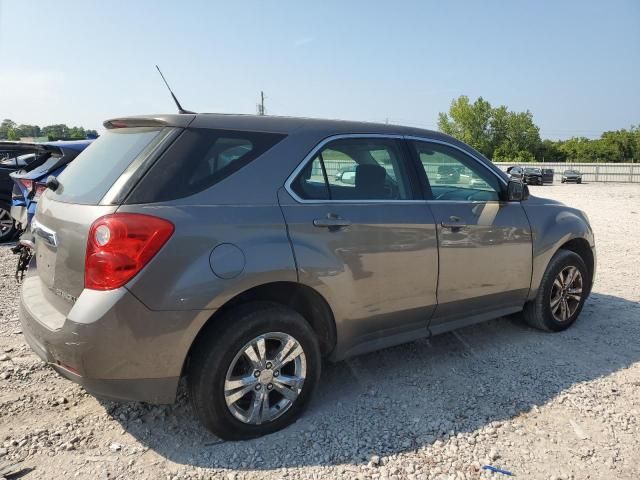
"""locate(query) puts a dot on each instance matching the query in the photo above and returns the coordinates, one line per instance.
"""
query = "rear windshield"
(198, 159)
(88, 178)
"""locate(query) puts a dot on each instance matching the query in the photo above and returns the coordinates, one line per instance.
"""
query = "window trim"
(311, 155)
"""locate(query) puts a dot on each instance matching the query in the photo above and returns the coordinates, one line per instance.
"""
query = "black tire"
(537, 312)
(217, 349)
(6, 232)
(578, 181)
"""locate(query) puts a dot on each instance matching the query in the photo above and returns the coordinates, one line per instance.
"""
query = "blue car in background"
(13, 156)
(29, 182)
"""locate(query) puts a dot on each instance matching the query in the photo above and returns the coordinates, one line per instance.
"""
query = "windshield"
(572, 172)
(532, 170)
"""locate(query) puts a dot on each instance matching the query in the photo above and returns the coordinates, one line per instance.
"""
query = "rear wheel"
(7, 225)
(579, 180)
(561, 294)
(255, 372)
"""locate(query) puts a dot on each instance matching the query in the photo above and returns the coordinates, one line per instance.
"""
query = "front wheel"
(254, 372)
(561, 295)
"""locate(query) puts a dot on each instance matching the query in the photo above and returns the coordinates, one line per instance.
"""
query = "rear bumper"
(109, 342)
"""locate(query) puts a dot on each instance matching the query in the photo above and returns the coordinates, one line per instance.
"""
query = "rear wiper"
(52, 183)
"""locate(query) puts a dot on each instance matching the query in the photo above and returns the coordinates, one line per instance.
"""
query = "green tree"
(469, 122)
(77, 133)
(548, 151)
(6, 126)
(496, 132)
(28, 130)
(56, 132)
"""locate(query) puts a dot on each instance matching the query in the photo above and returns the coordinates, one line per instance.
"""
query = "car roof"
(269, 123)
(29, 147)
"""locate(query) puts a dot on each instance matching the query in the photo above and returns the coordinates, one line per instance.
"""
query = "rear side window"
(88, 178)
(198, 159)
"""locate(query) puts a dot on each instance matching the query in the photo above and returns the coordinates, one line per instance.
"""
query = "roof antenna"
(180, 109)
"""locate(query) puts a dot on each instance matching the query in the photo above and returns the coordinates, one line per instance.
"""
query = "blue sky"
(574, 64)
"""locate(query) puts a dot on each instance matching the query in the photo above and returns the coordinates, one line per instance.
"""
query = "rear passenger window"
(355, 169)
(198, 159)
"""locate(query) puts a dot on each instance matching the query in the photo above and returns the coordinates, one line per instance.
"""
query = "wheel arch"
(556, 226)
(581, 247)
(301, 298)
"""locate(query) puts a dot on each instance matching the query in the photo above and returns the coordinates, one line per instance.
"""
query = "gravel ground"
(543, 406)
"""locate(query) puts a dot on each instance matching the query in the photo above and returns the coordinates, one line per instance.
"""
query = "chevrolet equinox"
(228, 249)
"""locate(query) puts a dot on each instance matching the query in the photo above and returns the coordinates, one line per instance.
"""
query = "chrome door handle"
(331, 223)
(454, 222)
(453, 225)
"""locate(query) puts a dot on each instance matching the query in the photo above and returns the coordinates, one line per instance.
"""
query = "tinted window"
(198, 159)
(452, 175)
(356, 169)
(88, 178)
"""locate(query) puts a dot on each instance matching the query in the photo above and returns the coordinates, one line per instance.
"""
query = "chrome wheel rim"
(6, 223)
(265, 378)
(566, 293)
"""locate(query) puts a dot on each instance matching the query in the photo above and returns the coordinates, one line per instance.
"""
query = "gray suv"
(225, 248)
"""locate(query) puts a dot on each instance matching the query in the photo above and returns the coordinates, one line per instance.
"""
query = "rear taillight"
(28, 184)
(39, 190)
(120, 245)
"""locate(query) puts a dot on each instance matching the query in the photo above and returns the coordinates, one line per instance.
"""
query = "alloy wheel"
(566, 293)
(265, 378)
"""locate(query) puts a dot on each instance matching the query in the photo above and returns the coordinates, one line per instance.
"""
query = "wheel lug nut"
(276, 373)
(258, 387)
(269, 365)
(269, 386)
(256, 373)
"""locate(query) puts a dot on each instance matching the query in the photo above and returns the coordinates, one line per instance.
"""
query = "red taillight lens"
(40, 188)
(28, 184)
(120, 245)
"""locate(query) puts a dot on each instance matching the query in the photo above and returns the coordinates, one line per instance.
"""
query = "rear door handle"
(331, 223)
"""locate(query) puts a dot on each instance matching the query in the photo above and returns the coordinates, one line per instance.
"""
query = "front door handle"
(453, 223)
(331, 222)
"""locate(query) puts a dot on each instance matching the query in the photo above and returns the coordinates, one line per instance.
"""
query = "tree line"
(10, 130)
(506, 136)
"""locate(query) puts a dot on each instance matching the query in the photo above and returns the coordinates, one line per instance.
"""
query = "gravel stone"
(563, 406)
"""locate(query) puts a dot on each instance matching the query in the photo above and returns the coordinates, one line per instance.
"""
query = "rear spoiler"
(180, 120)
(22, 147)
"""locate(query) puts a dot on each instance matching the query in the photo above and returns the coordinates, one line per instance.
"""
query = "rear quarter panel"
(553, 224)
(180, 276)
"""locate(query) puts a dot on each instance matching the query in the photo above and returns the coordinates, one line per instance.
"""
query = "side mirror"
(517, 191)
